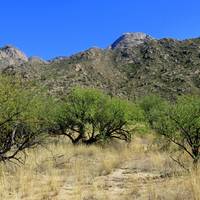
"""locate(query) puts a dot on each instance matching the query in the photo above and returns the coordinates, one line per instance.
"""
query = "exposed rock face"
(58, 59)
(129, 40)
(10, 55)
(37, 60)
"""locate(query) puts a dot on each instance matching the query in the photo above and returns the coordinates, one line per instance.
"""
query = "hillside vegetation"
(134, 65)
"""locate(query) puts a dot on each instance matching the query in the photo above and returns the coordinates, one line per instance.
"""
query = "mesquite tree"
(89, 116)
(25, 114)
(179, 122)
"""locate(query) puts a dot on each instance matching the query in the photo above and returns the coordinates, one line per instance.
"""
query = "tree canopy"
(178, 121)
(25, 113)
(88, 116)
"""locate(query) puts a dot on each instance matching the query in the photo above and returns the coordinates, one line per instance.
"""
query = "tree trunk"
(195, 152)
(91, 140)
(80, 136)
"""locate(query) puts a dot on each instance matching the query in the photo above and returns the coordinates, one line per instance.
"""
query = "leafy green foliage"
(89, 116)
(25, 114)
(115, 117)
(179, 122)
(152, 106)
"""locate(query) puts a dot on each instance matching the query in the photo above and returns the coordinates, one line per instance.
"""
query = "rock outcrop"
(129, 40)
(10, 55)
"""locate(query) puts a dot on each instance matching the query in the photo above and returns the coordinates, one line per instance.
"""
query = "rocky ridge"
(135, 65)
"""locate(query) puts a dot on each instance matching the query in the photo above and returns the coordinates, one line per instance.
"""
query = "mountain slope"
(134, 65)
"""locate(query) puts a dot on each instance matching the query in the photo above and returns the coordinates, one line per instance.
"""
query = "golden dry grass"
(62, 171)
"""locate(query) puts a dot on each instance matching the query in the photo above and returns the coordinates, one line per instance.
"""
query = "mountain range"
(134, 65)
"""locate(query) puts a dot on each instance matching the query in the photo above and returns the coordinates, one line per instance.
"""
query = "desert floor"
(60, 171)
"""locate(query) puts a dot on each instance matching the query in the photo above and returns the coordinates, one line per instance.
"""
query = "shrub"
(24, 116)
(179, 122)
(89, 116)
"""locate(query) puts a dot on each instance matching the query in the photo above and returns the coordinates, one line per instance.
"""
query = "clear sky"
(49, 28)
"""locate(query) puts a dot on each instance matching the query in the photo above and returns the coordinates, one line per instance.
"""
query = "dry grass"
(62, 171)
(179, 188)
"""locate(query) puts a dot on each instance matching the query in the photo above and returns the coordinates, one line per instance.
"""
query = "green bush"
(25, 114)
(179, 122)
(89, 116)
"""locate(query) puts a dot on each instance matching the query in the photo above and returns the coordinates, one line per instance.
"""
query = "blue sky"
(49, 28)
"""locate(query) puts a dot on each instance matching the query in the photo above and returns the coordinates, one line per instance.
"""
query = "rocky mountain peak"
(130, 40)
(13, 53)
(10, 55)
